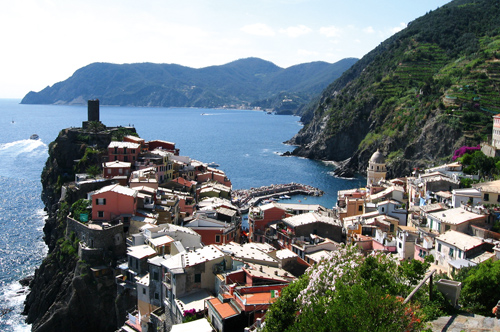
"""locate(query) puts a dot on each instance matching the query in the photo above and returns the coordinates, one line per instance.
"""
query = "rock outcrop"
(64, 293)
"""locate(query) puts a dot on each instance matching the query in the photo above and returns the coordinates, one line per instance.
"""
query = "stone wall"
(94, 236)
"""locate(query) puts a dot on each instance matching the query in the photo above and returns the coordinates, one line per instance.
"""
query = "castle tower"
(376, 169)
(92, 113)
(93, 110)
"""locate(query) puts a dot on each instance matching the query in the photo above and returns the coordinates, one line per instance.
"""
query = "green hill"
(244, 82)
(418, 96)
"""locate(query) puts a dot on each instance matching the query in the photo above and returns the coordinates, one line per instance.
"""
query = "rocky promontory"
(64, 294)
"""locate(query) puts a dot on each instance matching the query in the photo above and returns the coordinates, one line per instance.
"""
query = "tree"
(349, 292)
(480, 288)
(79, 207)
(93, 170)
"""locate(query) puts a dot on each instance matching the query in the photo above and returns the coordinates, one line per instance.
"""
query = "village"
(168, 230)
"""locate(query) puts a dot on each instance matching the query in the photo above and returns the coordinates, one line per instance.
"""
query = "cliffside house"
(213, 231)
(301, 228)
(114, 203)
(123, 151)
(457, 219)
(490, 191)
(188, 273)
(455, 250)
(117, 170)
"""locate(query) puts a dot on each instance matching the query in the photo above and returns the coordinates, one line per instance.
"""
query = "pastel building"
(123, 151)
(114, 203)
(116, 168)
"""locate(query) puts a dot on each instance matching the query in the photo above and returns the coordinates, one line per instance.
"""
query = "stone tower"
(92, 113)
(93, 110)
(376, 169)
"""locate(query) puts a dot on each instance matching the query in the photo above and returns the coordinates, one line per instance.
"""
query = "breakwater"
(244, 198)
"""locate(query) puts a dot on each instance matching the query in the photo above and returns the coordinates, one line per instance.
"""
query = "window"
(217, 238)
(383, 209)
(100, 214)
(100, 201)
(451, 252)
(157, 296)
(486, 197)
(124, 150)
(459, 253)
(360, 208)
(116, 150)
(197, 277)
(125, 158)
(155, 275)
(144, 291)
(109, 170)
(439, 247)
(400, 245)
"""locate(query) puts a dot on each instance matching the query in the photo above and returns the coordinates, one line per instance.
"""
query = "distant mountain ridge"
(424, 92)
(246, 82)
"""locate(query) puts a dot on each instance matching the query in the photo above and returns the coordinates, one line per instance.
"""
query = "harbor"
(245, 198)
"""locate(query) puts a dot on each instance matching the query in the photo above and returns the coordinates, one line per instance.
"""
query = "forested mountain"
(418, 96)
(245, 82)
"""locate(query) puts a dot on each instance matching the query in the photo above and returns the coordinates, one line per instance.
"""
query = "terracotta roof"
(225, 310)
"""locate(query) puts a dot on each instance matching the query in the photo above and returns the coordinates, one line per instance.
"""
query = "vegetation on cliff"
(246, 82)
(418, 96)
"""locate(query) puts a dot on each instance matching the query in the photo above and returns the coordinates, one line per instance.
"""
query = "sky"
(46, 41)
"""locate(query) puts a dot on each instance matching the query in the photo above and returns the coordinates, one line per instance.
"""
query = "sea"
(246, 144)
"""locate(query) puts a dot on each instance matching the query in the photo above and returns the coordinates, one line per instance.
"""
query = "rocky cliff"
(417, 97)
(64, 293)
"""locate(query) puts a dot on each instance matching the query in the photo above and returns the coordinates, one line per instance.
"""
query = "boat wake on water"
(18, 155)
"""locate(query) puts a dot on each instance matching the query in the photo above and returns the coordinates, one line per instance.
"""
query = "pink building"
(116, 168)
(123, 151)
(164, 145)
(114, 203)
(214, 175)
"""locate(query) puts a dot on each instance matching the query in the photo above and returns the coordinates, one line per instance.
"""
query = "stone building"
(376, 169)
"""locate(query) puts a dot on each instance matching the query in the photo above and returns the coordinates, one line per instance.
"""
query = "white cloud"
(306, 52)
(398, 28)
(258, 29)
(296, 31)
(330, 31)
(369, 30)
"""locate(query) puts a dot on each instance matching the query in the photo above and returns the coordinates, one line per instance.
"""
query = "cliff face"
(417, 97)
(64, 293)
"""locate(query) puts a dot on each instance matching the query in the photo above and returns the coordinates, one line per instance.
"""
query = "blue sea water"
(246, 144)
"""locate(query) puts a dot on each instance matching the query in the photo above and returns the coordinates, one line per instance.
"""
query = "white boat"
(213, 164)
(34, 136)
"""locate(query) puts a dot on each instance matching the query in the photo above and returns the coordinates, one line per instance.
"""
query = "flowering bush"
(190, 312)
(463, 150)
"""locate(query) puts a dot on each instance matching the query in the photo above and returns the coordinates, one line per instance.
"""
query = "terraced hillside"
(418, 96)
